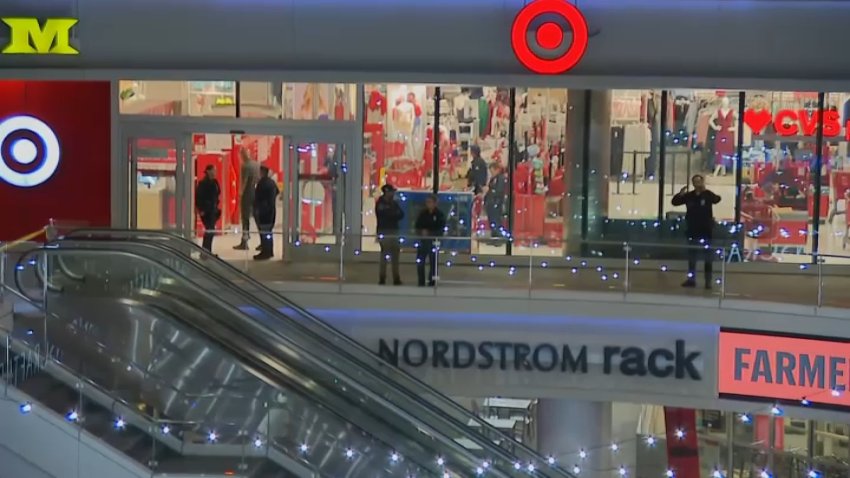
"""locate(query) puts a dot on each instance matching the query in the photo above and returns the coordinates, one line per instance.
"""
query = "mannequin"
(403, 118)
(724, 123)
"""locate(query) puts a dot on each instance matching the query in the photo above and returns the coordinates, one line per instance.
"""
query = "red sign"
(549, 36)
(796, 122)
(774, 367)
(78, 117)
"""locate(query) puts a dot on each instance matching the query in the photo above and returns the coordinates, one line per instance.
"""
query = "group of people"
(258, 200)
(429, 225)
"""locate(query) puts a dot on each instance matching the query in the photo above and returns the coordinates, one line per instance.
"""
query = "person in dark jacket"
(265, 210)
(430, 224)
(476, 177)
(389, 214)
(208, 204)
(496, 198)
(699, 219)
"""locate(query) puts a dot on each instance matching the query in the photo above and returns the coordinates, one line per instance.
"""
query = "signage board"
(30, 36)
(799, 369)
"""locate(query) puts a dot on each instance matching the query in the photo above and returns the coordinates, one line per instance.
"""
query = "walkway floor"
(798, 287)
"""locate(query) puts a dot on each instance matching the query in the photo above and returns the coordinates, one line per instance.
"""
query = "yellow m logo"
(28, 37)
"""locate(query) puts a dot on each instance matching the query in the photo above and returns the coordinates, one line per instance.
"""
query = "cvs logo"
(796, 122)
(29, 37)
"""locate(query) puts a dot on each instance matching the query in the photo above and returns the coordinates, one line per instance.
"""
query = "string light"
(25, 408)
(745, 418)
(349, 453)
(551, 460)
(440, 461)
(165, 430)
(622, 470)
(303, 448)
(394, 457)
(72, 416)
(258, 442)
(716, 474)
(582, 454)
(776, 411)
(212, 437)
(764, 474)
(576, 469)
(615, 447)
(680, 433)
(119, 424)
(650, 440)
(669, 474)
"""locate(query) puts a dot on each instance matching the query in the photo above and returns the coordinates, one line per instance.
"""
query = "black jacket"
(497, 190)
(264, 199)
(389, 215)
(208, 197)
(700, 211)
(476, 177)
(432, 223)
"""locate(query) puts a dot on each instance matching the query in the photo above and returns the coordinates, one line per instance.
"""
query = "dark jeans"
(246, 212)
(390, 252)
(208, 219)
(266, 225)
(426, 251)
(700, 245)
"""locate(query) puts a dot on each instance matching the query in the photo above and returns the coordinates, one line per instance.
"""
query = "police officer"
(430, 224)
(389, 215)
(208, 204)
(265, 211)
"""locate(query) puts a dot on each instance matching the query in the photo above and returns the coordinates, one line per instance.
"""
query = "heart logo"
(757, 120)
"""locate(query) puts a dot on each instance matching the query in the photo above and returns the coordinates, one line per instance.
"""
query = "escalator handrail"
(269, 350)
(483, 425)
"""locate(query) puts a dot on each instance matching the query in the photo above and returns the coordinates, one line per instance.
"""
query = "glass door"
(316, 193)
(157, 182)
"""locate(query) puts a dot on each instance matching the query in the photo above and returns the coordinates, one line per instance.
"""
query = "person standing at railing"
(265, 210)
(248, 175)
(430, 225)
(389, 214)
(208, 204)
(699, 220)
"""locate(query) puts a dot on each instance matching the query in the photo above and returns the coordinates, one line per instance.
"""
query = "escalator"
(181, 340)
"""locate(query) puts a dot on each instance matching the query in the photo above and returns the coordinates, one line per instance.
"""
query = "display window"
(701, 137)
(635, 120)
(779, 183)
(542, 167)
(242, 99)
(398, 133)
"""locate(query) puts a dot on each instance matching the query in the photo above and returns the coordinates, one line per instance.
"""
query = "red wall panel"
(79, 191)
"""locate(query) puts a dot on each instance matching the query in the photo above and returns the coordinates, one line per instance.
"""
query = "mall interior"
(555, 342)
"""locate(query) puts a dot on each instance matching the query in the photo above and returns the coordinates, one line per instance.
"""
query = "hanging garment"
(724, 142)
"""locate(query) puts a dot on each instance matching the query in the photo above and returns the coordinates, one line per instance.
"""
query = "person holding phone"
(699, 220)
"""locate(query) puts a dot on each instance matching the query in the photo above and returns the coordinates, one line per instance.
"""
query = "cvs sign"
(796, 122)
(29, 37)
(802, 370)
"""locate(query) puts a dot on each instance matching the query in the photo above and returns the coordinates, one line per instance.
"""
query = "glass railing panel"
(118, 281)
(412, 392)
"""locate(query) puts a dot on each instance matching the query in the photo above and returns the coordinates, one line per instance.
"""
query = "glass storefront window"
(244, 99)
(540, 171)
(635, 152)
(778, 188)
(473, 160)
(834, 234)
(701, 137)
(398, 134)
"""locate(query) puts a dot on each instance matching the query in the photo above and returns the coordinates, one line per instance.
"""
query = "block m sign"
(28, 36)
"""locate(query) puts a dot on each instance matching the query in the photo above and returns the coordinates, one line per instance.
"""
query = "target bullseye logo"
(549, 36)
(29, 151)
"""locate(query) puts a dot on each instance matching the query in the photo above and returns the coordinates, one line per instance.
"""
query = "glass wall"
(239, 99)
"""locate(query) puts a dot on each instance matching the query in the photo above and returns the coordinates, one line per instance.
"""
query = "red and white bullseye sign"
(549, 36)
(29, 151)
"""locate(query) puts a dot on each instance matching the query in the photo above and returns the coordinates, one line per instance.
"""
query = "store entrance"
(308, 169)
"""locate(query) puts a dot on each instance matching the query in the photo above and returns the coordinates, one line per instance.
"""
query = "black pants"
(495, 217)
(266, 224)
(700, 244)
(426, 251)
(209, 219)
(390, 252)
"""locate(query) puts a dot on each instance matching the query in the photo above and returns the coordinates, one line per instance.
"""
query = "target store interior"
(547, 145)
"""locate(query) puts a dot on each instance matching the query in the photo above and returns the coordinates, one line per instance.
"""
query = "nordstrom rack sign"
(676, 362)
